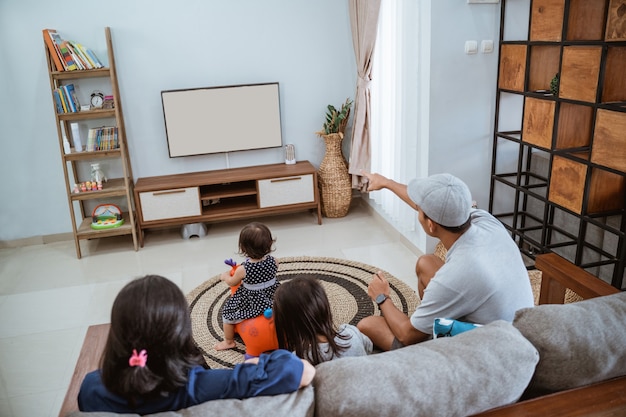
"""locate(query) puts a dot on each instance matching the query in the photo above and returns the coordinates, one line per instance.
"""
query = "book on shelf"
(102, 139)
(71, 107)
(69, 55)
(91, 55)
(63, 56)
(57, 101)
(73, 97)
(70, 65)
(80, 56)
(52, 49)
(77, 59)
(63, 99)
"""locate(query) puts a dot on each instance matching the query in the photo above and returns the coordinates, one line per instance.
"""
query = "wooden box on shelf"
(512, 67)
(609, 140)
(567, 183)
(567, 187)
(544, 65)
(574, 126)
(586, 20)
(614, 89)
(616, 21)
(538, 122)
(546, 22)
(580, 70)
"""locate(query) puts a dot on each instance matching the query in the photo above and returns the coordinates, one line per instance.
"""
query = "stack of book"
(65, 99)
(102, 139)
(69, 55)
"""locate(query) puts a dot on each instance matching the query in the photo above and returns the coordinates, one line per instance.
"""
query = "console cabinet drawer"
(167, 204)
(286, 190)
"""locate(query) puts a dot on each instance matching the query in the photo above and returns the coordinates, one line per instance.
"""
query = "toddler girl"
(304, 324)
(256, 281)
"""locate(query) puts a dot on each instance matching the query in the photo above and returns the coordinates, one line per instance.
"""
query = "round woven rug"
(345, 283)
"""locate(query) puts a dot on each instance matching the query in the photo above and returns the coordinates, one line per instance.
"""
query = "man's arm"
(378, 182)
(398, 322)
(400, 325)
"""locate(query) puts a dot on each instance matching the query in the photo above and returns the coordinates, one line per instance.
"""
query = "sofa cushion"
(579, 343)
(452, 376)
(298, 404)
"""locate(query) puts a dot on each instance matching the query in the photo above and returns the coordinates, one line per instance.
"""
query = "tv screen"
(222, 119)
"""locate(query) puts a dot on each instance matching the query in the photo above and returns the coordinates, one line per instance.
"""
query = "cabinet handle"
(286, 179)
(169, 192)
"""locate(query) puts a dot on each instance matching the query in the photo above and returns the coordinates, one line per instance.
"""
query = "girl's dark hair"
(149, 313)
(255, 240)
(301, 313)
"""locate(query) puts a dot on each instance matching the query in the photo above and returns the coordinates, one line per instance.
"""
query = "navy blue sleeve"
(276, 373)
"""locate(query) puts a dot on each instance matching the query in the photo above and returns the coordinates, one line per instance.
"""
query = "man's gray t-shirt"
(483, 279)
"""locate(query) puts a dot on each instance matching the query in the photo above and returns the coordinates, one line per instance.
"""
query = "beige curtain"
(364, 24)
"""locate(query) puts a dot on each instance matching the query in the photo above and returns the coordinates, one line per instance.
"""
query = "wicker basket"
(334, 180)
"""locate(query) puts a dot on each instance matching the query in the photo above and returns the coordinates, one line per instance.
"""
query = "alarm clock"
(97, 99)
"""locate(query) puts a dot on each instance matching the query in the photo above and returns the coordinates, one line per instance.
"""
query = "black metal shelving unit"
(525, 179)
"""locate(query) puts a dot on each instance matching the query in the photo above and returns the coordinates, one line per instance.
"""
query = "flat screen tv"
(231, 118)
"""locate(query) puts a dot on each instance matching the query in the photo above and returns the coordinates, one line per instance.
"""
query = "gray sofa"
(548, 348)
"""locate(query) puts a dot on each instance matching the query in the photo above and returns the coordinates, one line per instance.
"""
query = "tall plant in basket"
(333, 178)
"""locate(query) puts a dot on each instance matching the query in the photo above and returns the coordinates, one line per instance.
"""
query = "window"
(394, 100)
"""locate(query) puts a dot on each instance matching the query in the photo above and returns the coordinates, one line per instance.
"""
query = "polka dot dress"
(248, 303)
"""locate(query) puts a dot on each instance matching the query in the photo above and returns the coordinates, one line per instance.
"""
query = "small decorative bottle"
(66, 145)
(97, 176)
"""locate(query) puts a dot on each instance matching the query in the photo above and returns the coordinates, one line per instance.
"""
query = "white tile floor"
(48, 297)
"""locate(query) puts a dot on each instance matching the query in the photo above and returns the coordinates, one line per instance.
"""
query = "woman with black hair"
(151, 364)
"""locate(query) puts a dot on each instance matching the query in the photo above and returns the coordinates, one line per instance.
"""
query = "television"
(210, 120)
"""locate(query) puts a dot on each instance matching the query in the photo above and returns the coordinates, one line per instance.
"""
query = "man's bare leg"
(376, 328)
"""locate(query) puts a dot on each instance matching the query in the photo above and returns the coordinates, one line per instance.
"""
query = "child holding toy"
(151, 364)
(304, 324)
(255, 278)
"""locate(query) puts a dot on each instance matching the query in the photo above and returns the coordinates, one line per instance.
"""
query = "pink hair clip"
(138, 359)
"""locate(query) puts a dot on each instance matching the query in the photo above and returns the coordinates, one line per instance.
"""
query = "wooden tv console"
(226, 194)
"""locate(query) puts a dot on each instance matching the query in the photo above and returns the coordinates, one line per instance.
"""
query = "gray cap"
(444, 198)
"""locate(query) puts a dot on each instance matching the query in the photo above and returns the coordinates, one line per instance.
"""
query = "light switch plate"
(471, 47)
(486, 46)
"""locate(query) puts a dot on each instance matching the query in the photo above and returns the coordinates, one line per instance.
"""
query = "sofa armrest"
(88, 360)
(558, 274)
(607, 398)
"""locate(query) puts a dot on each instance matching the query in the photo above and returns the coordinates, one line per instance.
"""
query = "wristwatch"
(381, 298)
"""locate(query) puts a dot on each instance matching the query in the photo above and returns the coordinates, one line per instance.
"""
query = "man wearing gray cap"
(483, 278)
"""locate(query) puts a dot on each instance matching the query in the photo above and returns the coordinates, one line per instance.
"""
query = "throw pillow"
(450, 376)
(579, 343)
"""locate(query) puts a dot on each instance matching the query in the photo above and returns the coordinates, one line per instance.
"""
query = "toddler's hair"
(149, 314)
(301, 314)
(255, 240)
